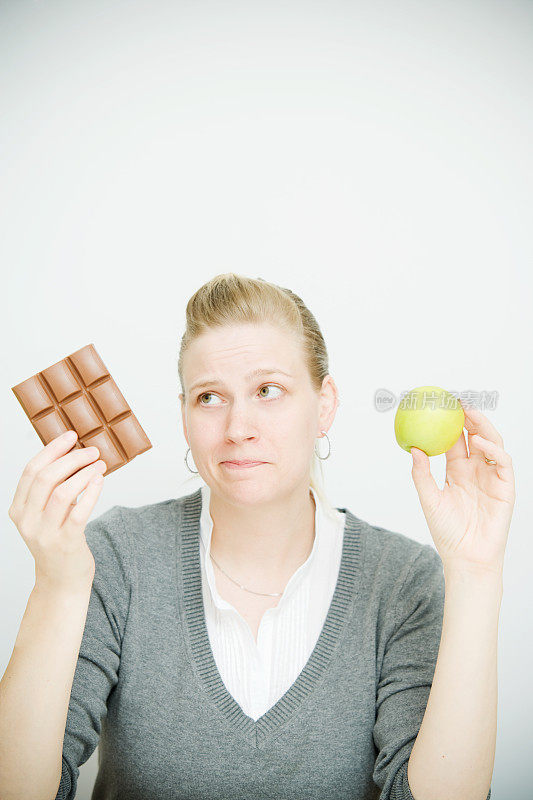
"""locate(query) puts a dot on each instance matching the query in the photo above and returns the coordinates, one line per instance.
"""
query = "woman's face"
(234, 415)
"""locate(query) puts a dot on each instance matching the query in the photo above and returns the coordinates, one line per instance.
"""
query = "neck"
(262, 549)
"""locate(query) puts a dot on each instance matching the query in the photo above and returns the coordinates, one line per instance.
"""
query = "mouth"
(242, 464)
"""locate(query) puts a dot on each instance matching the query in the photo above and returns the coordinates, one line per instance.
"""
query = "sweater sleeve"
(96, 671)
(415, 625)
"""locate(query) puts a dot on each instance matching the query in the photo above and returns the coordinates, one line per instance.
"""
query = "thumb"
(428, 491)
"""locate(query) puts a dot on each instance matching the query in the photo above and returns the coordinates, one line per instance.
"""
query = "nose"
(239, 424)
(239, 433)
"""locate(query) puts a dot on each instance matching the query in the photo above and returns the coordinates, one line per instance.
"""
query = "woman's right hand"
(46, 514)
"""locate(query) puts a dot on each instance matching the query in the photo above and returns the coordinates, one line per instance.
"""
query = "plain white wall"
(375, 157)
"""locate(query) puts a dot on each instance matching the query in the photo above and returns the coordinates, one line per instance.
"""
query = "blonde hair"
(230, 299)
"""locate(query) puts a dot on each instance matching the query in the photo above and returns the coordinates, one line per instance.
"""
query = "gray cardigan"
(147, 689)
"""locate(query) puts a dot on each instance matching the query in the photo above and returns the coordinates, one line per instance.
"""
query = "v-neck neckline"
(261, 730)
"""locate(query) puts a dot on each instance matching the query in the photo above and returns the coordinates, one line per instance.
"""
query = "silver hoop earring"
(323, 458)
(186, 464)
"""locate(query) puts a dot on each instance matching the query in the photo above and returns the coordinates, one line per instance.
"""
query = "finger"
(53, 475)
(428, 492)
(79, 514)
(477, 422)
(53, 450)
(458, 451)
(456, 456)
(63, 499)
(504, 462)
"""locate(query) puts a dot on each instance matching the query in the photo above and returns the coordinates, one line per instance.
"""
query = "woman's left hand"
(469, 518)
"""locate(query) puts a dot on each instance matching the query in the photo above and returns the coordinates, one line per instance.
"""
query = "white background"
(375, 157)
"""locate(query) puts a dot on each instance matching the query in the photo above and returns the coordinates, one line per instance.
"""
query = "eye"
(266, 386)
(210, 394)
(205, 394)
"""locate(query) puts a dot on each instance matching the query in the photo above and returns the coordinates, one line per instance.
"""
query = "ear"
(183, 420)
(329, 402)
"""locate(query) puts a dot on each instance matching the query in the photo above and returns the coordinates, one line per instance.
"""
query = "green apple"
(429, 418)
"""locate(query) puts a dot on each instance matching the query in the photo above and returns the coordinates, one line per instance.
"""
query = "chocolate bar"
(78, 393)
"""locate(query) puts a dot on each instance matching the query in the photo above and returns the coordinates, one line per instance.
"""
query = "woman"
(249, 640)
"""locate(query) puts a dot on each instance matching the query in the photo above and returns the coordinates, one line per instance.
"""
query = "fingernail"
(70, 435)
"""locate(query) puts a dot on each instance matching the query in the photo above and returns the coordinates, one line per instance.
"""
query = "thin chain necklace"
(264, 594)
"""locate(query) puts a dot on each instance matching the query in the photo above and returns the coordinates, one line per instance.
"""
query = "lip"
(242, 464)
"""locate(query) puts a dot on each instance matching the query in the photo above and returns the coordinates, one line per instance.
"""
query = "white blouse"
(257, 675)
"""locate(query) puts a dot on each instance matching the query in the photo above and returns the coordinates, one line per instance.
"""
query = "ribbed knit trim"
(260, 730)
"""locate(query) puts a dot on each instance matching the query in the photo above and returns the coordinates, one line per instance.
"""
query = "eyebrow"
(254, 374)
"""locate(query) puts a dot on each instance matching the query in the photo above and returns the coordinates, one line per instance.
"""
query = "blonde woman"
(249, 640)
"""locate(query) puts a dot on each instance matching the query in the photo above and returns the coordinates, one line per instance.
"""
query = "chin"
(249, 491)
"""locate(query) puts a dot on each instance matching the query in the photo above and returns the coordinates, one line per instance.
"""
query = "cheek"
(290, 432)
(297, 432)
(205, 433)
